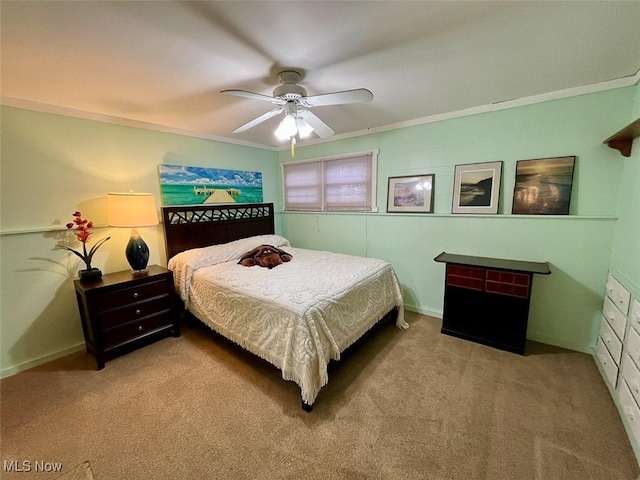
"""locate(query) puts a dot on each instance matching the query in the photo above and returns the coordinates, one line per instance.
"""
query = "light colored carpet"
(80, 472)
(406, 404)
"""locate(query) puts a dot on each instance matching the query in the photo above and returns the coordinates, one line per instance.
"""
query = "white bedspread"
(298, 315)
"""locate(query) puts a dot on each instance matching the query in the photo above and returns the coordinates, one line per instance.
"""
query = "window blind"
(303, 186)
(334, 184)
(348, 184)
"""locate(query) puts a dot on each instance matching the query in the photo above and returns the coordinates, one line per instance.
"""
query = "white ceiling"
(165, 63)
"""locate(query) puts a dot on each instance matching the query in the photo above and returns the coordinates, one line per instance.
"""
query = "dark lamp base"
(137, 254)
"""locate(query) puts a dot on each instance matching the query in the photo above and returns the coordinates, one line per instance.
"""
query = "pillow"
(224, 252)
(185, 264)
(264, 256)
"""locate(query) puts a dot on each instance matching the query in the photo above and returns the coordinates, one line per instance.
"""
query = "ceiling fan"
(292, 100)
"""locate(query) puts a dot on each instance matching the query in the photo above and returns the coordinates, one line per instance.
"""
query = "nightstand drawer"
(124, 296)
(133, 330)
(128, 313)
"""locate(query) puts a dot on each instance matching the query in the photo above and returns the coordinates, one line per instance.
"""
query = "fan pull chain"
(293, 147)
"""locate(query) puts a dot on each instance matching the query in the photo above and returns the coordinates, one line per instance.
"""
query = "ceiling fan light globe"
(289, 125)
(280, 133)
(287, 128)
(304, 129)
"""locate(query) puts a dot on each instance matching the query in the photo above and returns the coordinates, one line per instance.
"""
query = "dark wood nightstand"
(122, 311)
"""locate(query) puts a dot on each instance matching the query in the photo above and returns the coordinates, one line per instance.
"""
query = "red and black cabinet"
(486, 300)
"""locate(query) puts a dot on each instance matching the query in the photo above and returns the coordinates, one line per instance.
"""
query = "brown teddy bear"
(265, 256)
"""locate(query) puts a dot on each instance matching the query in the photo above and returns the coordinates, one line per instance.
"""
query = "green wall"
(566, 305)
(625, 256)
(53, 165)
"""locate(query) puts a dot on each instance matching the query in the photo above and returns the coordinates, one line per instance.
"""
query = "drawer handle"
(138, 311)
(606, 338)
(136, 294)
(610, 316)
(603, 359)
(139, 328)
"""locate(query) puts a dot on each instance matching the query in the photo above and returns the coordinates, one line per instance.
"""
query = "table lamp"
(133, 210)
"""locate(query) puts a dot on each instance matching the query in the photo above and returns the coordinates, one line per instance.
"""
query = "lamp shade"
(131, 210)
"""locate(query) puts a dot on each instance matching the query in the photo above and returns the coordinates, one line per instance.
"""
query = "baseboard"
(576, 347)
(558, 342)
(7, 372)
(430, 313)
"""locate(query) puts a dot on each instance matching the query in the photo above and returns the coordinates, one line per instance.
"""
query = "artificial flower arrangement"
(83, 232)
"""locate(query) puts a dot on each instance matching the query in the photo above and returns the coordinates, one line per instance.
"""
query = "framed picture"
(543, 186)
(411, 194)
(185, 185)
(476, 188)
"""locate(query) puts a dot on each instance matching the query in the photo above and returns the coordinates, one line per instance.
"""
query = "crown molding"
(125, 122)
(493, 107)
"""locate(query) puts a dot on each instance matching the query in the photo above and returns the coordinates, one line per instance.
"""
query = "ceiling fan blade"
(322, 129)
(359, 95)
(253, 96)
(258, 120)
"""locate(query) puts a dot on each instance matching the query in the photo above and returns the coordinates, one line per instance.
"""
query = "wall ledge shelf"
(502, 216)
(623, 140)
(458, 215)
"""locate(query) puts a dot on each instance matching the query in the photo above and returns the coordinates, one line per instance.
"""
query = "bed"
(299, 315)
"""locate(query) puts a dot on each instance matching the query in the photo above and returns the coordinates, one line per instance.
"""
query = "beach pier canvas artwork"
(543, 186)
(184, 185)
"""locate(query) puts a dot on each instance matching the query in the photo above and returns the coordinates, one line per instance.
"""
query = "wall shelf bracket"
(623, 140)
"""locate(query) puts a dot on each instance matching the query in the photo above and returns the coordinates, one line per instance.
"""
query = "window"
(335, 184)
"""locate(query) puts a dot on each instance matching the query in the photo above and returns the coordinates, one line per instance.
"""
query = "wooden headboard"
(195, 226)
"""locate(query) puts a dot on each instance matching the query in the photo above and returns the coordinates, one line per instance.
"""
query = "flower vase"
(90, 274)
